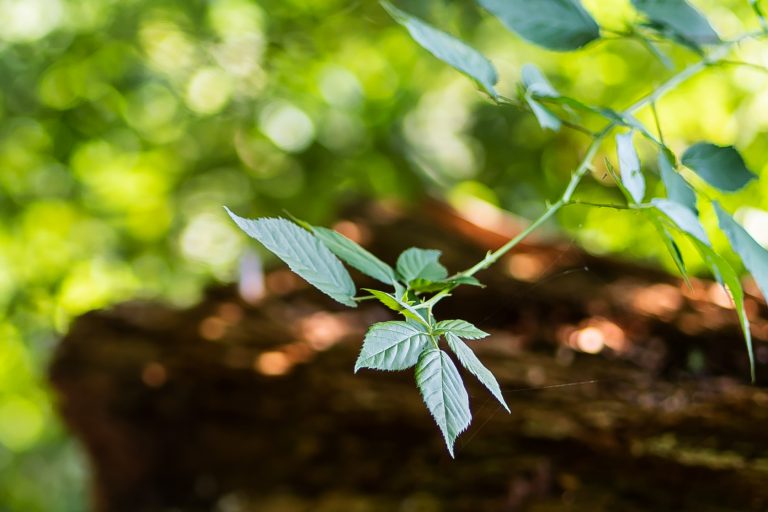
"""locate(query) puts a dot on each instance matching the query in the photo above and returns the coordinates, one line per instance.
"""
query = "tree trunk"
(629, 392)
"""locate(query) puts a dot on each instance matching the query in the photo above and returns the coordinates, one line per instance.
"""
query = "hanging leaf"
(460, 328)
(546, 118)
(444, 394)
(448, 49)
(754, 256)
(720, 166)
(655, 217)
(470, 361)
(415, 263)
(303, 253)
(355, 255)
(683, 218)
(555, 24)
(392, 345)
(536, 83)
(678, 190)
(680, 18)
(629, 165)
(728, 278)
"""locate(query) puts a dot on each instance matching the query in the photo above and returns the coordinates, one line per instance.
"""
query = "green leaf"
(425, 286)
(679, 17)
(460, 328)
(678, 190)
(683, 218)
(754, 256)
(468, 280)
(444, 394)
(546, 118)
(629, 165)
(448, 49)
(728, 278)
(555, 24)
(655, 217)
(303, 253)
(470, 361)
(720, 166)
(392, 345)
(417, 263)
(398, 305)
(536, 83)
(355, 255)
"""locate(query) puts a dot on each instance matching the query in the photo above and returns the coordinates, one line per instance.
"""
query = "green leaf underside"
(417, 263)
(555, 24)
(461, 328)
(536, 85)
(683, 218)
(752, 254)
(470, 361)
(546, 118)
(629, 166)
(655, 217)
(392, 345)
(443, 392)
(678, 189)
(447, 48)
(728, 278)
(720, 166)
(355, 255)
(303, 253)
(394, 304)
(679, 17)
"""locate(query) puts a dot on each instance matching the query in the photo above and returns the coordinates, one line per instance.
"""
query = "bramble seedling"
(419, 281)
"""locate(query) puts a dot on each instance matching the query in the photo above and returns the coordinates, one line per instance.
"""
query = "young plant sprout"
(419, 281)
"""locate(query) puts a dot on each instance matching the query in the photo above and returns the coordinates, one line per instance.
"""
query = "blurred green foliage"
(126, 125)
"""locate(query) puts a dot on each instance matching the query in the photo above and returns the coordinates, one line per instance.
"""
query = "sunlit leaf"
(355, 255)
(555, 24)
(448, 49)
(754, 256)
(470, 361)
(392, 345)
(679, 17)
(678, 190)
(720, 166)
(303, 253)
(629, 165)
(683, 217)
(460, 328)
(415, 263)
(444, 394)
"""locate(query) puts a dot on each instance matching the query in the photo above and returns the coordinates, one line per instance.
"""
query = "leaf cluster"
(417, 283)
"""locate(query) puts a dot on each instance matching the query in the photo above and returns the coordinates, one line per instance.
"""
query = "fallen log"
(629, 392)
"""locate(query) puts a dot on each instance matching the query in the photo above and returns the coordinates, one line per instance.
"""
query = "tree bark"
(629, 392)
